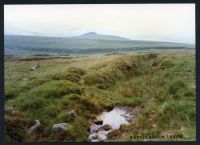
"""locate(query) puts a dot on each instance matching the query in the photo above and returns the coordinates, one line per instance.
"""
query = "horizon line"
(128, 39)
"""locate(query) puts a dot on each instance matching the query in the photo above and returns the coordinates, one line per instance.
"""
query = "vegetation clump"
(72, 74)
(106, 76)
(15, 128)
(56, 89)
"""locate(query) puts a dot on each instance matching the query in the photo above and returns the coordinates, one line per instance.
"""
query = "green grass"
(162, 83)
(72, 74)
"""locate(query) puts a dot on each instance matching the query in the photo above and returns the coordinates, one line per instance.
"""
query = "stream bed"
(111, 120)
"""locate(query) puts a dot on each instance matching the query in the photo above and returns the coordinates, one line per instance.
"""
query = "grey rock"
(35, 67)
(9, 110)
(60, 128)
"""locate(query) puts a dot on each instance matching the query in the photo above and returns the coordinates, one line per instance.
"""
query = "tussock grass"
(72, 74)
(106, 75)
(162, 84)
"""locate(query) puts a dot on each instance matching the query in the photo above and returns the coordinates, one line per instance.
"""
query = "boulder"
(105, 127)
(60, 128)
(34, 127)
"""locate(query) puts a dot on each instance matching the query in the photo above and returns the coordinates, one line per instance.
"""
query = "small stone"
(35, 67)
(153, 126)
(60, 128)
(72, 114)
(9, 110)
(105, 127)
(93, 136)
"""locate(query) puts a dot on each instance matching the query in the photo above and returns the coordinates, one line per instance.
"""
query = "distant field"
(87, 44)
(162, 84)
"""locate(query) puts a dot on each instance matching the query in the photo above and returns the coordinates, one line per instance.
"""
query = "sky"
(155, 22)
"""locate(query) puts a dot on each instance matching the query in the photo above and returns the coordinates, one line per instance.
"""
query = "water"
(111, 120)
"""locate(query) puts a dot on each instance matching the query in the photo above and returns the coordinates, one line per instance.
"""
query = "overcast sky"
(157, 22)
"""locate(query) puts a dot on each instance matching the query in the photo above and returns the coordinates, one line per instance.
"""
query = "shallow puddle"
(108, 121)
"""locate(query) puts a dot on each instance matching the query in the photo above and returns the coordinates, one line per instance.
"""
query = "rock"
(34, 127)
(93, 137)
(102, 136)
(94, 128)
(72, 114)
(60, 128)
(35, 67)
(9, 110)
(100, 122)
(105, 127)
(153, 126)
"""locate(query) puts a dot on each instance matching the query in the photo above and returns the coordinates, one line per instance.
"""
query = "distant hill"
(88, 43)
(95, 36)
